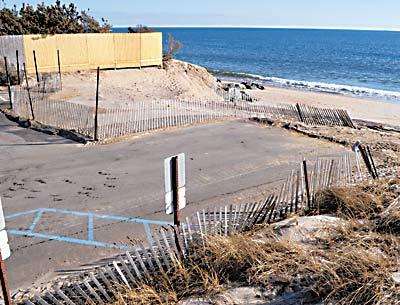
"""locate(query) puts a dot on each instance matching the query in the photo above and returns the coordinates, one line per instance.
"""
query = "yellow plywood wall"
(151, 49)
(89, 51)
(73, 52)
(45, 49)
(127, 50)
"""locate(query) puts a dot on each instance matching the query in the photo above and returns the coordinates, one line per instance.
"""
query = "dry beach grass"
(353, 263)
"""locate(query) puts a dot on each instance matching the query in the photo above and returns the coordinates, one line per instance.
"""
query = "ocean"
(359, 63)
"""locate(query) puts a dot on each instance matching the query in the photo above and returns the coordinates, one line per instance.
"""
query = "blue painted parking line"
(91, 217)
(69, 239)
(36, 220)
(90, 228)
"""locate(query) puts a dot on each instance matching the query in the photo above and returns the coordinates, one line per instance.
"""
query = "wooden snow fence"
(140, 117)
(168, 246)
(324, 116)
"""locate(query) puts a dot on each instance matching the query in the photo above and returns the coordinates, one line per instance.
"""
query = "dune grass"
(353, 264)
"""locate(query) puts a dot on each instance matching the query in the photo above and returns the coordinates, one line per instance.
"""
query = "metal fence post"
(96, 137)
(29, 93)
(8, 81)
(18, 75)
(36, 67)
(175, 190)
(175, 199)
(59, 67)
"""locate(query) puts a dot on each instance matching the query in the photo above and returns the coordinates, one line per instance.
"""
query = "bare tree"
(173, 46)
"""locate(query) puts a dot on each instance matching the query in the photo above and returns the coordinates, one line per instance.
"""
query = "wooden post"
(4, 283)
(367, 161)
(8, 81)
(307, 184)
(29, 93)
(36, 67)
(96, 138)
(18, 75)
(59, 66)
(299, 112)
(372, 161)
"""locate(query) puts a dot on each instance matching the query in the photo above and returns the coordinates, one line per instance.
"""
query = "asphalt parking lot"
(69, 206)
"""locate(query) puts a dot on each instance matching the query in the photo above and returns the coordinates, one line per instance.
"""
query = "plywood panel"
(73, 52)
(127, 50)
(151, 49)
(88, 51)
(45, 50)
(101, 50)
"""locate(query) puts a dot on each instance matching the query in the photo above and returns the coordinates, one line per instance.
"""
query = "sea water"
(350, 62)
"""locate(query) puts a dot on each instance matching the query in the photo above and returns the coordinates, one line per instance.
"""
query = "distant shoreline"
(367, 29)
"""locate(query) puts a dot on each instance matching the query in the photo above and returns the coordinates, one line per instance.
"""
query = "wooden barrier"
(140, 117)
(89, 51)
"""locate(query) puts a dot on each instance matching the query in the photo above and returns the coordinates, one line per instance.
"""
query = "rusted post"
(8, 81)
(28, 91)
(59, 67)
(307, 184)
(4, 283)
(36, 67)
(96, 137)
(18, 75)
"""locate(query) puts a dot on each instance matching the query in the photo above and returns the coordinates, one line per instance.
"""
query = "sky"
(360, 14)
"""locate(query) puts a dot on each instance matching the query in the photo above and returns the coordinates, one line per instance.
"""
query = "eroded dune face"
(176, 80)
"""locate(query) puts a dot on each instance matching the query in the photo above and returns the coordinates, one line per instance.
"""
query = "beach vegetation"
(173, 46)
(140, 28)
(351, 263)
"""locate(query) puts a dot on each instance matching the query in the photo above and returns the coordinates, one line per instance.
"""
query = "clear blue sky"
(297, 13)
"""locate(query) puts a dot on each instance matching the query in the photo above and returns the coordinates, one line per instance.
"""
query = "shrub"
(49, 19)
(140, 28)
(173, 46)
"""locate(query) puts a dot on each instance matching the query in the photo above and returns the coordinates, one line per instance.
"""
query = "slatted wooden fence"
(141, 117)
(167, 246)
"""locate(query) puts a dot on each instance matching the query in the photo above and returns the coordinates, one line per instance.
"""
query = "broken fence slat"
(126, 269)
(39, 300)
(93, 292)
(63, 296)
(100, 287)
(121, 274)
(84, 294)
(134, 266)
(52, 298)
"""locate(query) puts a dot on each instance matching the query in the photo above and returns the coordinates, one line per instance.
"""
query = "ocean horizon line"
(376, 29)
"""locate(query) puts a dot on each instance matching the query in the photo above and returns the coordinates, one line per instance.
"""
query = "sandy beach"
(178, 80)
(181, 80)
(358, 108)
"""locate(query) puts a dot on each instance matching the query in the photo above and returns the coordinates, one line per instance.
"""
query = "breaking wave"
(312, 86)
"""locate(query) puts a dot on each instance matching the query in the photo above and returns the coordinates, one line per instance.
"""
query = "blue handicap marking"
(91, 217)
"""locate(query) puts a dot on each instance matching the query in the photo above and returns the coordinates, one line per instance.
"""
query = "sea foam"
(312, 86)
